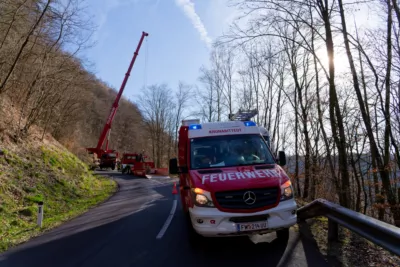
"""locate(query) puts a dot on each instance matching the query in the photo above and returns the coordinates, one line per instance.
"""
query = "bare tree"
(182, 97)
(24, 44)
(157, 109)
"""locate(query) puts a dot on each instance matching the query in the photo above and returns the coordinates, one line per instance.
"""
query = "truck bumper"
(211, 222)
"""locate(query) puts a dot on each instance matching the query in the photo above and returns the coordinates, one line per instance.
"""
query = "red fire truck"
(230, 182)
(128, 161)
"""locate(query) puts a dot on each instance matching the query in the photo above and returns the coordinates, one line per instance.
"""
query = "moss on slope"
(50, 174)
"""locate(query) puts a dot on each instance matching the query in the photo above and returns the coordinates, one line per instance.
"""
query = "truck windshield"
(229, 151)
(109, 156)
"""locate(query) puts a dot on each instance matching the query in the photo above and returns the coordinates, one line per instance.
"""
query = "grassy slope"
(45, 172)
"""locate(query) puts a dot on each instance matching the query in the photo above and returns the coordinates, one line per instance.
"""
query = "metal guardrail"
(378, 232)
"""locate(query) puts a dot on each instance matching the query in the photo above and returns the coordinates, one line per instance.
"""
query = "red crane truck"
(230, 183)
(108, 157)
(131, 160)
(127, 161)
(140, 165)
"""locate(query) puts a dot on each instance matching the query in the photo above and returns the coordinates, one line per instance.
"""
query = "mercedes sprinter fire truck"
(230, 182)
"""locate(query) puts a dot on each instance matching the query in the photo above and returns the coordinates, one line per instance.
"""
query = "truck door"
(184, 178)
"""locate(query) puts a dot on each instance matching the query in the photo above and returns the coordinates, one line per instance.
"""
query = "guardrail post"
(40, 214)
(333, 231)
(380, 233)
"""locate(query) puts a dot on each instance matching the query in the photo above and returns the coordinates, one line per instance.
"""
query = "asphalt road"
(123, 231)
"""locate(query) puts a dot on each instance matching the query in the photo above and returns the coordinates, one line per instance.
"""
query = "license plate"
(242, 227)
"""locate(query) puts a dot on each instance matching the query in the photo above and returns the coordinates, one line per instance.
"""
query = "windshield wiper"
(209, 171)
(254, 164)
(265, 166)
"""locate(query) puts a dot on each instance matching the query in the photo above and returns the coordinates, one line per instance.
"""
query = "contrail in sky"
(189, 10)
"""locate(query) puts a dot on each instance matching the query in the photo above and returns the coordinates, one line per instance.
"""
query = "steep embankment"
(44, 172)
(51, 104)
(35, 170)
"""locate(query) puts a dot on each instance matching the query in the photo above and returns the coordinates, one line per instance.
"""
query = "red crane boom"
(107, 127)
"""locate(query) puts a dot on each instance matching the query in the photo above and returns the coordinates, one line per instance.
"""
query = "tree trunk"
(296, 144)
(14, 64)
(336, 118)
(319, 110)
(382, 168)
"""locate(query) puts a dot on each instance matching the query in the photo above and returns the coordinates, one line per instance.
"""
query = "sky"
(180, 36)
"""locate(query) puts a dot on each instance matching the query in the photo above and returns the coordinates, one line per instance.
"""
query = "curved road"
(129, 230)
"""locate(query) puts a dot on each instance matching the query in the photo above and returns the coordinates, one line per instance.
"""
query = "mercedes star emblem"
(249, 198)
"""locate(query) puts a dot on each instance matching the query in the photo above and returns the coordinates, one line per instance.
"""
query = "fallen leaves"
(351, 250)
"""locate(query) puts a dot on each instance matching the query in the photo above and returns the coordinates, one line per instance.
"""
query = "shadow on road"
(122, 232)
(118, 174)
(130, 177)
(122, 221)
(238, 252)
(175, 249)
(310, 244)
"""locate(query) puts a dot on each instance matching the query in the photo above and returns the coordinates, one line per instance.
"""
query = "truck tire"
(283, 235)
(195, 239)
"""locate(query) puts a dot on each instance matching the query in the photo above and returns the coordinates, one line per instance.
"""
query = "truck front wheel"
(195, 239)
(283, 235)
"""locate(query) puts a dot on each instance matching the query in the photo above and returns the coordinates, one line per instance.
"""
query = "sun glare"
(341, 61)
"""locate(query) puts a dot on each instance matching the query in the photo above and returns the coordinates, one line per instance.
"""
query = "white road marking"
(168, 221)
(157, 182)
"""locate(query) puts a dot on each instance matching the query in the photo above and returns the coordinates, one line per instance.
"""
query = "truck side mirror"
(282, 158)
(173, 166)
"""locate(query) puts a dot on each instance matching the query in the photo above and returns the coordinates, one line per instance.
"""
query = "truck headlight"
(202, 198)
(286, 191)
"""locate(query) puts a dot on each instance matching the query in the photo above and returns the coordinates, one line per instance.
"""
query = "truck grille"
(236, 199)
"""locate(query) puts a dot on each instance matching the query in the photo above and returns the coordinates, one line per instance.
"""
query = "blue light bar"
(195, 127)
(249, 123)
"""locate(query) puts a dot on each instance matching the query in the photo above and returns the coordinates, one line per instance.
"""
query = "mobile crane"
(108, 157)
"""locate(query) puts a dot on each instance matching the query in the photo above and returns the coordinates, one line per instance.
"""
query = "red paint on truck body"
(231, 179)
(236, 182)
